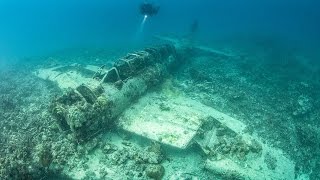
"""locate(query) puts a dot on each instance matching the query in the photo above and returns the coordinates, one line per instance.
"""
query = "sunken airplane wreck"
(100, 96)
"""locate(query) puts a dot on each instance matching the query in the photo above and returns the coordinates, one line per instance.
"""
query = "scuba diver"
(148, 9)
(194, 26)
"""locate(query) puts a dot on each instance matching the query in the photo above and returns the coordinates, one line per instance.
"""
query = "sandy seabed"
(274, 91)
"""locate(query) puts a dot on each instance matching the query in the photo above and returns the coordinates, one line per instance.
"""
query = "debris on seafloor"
(91, 105)
(121, 95)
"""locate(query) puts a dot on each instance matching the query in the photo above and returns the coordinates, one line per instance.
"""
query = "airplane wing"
(180, 43)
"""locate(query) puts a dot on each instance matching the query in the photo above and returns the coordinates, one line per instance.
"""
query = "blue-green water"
(33, 27)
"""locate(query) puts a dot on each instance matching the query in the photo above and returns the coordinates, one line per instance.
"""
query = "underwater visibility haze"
(159, 89)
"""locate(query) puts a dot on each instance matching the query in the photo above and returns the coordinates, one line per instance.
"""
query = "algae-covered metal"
(87, 108)
(100, 97)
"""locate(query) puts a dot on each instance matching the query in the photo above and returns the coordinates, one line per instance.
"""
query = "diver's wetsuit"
(148, 9)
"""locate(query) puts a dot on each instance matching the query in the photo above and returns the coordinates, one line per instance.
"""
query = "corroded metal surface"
(92, 106)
